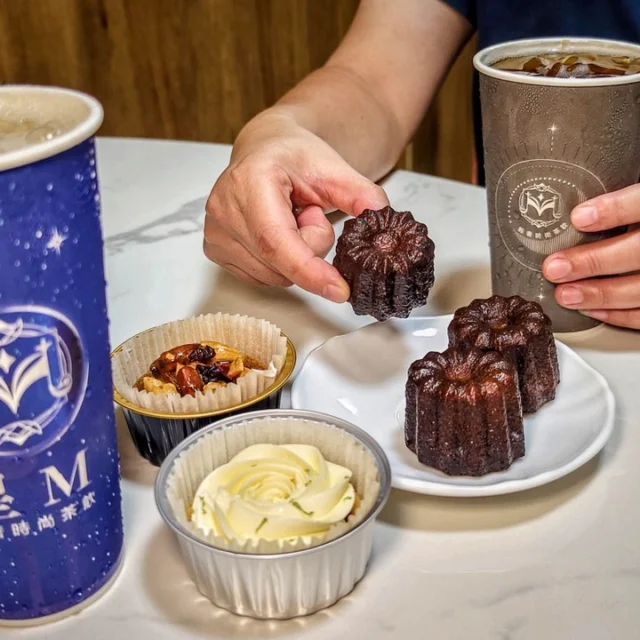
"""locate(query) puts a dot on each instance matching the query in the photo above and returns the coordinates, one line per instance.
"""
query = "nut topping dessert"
(203, 367)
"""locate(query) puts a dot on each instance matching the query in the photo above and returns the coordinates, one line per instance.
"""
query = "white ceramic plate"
(361, 376)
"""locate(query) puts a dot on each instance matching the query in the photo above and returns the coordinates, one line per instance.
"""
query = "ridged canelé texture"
(463, 414)
(520, 330)
(386, 257)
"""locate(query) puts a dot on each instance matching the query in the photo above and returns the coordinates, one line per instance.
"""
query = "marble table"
(558, 562)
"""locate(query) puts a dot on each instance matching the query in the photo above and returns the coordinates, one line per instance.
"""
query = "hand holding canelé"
(325, 142)
(266, 214)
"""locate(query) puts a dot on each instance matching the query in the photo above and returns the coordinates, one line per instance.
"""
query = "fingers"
(579, 269)
(285, 250)
(233, 256)
(274, 239)
(243, 275)
(337, 185)
(606, 293)
(608, 211)
(615, 301)
(606, 257)
(255, 230)
(628, 318)
(316, 230)
(334, 184)
(251, 226)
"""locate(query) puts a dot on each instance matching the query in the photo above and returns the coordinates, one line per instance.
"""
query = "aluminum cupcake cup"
(280, 585)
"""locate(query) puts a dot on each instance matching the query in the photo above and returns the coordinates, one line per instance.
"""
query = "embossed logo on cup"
(540, 205)
(534, 199)
(43, 378)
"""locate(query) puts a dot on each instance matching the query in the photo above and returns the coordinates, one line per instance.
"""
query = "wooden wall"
(199, 69)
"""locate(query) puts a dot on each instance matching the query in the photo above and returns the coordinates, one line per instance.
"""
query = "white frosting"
(274, 493)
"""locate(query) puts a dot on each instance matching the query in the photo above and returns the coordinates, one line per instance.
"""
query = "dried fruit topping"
(211, 373)
(203, 353)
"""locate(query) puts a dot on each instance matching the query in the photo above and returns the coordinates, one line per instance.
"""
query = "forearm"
(367, 101)
(339, 107)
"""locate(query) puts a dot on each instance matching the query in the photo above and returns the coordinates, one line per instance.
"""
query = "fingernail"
(571, 295)
(596, 315)
(335, 293)
(584, 216)
(557, 268)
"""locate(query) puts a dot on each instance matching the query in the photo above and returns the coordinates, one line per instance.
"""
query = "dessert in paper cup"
(274, 510)
(178, 377)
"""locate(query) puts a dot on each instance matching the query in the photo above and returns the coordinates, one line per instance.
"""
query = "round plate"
(361, 377)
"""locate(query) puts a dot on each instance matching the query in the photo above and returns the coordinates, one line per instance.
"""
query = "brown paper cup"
(550, 144)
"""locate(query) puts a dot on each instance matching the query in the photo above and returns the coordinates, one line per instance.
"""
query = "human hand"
(579, 270)
(265, 219)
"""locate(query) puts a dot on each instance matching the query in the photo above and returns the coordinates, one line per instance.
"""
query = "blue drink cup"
(60, 514)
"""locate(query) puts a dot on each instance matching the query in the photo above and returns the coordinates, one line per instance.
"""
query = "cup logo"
(540, 205)
(533, 204)
(43, 378)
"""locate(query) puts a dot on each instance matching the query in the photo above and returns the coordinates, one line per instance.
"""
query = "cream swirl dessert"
(274, 492)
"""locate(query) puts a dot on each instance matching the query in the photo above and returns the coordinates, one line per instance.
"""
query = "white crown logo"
(540, 205)
(47, 358)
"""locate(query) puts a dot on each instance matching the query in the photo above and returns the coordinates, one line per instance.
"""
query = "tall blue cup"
(60, 512)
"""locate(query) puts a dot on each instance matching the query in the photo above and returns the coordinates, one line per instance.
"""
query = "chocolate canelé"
(520, 330)
(463, 413)
(386, 257)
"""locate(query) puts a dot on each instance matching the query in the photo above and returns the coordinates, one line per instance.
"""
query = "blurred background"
(199, 69)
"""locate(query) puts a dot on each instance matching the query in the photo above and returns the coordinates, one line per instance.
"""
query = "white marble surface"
(559, 562)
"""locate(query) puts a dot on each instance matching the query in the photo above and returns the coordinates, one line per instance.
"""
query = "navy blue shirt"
(498, 21)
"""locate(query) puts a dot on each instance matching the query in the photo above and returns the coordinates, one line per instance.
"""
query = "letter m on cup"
(58, 483)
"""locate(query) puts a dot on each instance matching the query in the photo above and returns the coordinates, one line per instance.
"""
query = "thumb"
(276, 240)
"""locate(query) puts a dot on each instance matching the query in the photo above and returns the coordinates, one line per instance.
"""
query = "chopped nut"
(264, 521)
(254, 363)
(223, 352)
(153, 385)
(298, 506)
(236, 369)
(188, 381)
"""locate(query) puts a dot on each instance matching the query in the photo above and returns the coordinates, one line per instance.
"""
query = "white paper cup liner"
(219, 446)
(257, 338)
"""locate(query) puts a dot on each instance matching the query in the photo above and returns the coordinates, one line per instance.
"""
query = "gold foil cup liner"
(219, 446)
(257, 338)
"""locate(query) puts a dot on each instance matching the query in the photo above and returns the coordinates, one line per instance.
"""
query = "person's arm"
(369, 98)
(318, 148)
